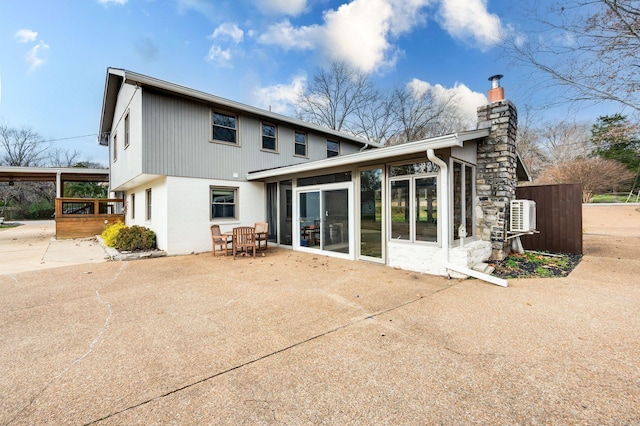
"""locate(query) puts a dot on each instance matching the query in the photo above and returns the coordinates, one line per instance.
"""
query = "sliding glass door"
(324, 219)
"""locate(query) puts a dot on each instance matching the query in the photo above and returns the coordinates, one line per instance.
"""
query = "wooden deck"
(86, 217)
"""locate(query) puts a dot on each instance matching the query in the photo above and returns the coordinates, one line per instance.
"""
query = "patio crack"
(268, 355)
(91, 347)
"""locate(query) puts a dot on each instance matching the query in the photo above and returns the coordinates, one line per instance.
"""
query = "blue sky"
(54, 54)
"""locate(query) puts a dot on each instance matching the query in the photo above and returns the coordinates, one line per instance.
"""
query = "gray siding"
(176, 141)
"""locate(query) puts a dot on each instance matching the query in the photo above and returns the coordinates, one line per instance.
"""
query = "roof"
(49, 174)
(385, 153)
(116, 77)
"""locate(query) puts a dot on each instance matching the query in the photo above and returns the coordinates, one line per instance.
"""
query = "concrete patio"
(295, 338)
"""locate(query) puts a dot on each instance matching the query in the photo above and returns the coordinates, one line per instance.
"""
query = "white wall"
(188, 212)
(129, 161)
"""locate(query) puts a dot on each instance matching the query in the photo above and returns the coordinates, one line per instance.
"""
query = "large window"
(126, 131)
(300, 144)
(413, 198)
(333, 148)
(224, 203)
(224, 128)
(269, 140)
(463, 190)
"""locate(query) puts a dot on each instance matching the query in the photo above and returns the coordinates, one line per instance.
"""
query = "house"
(184, 159)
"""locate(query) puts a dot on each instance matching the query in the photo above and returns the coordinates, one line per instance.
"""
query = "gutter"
(431, 155)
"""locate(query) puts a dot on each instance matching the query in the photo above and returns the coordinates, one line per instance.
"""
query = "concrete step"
(484, 268)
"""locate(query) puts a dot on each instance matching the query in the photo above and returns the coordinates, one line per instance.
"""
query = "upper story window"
(224, 128)
(333, 148)
(269, 141)
(115, 148)
(300, 144)
(126, 131)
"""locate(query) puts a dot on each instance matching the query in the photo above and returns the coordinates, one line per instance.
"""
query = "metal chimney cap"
(495, 80)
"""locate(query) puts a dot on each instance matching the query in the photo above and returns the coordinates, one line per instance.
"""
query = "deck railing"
(86, 217)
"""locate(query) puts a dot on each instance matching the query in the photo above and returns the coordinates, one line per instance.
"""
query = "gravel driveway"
(293, 338)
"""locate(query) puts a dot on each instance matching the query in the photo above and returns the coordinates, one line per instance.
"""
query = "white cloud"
(120, 2)
(219, 57)
(33, 56)
(469, 20)
(26, 35)
(281, 7)
(467, 100)
(288, 37)
(228, 31)
(279, 97)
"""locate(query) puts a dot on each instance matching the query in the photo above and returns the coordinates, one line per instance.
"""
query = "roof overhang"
(381, 154)
(116, 77)
(50, 174)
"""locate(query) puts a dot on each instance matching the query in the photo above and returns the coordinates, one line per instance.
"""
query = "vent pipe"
(496, 93)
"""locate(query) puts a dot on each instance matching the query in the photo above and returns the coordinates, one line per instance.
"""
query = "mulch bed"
(536, 264)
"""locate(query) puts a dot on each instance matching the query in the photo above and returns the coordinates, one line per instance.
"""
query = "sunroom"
(398, 205)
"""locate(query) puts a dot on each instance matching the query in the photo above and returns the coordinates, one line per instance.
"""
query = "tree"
(564, 141)
(594, 173)
(589, 48)
(614, 137)
(22, 147)
(334, 96)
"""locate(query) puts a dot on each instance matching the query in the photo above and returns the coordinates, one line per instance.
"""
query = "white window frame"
(148, 203)
(115, 146)
(471, 233)
(127, 130)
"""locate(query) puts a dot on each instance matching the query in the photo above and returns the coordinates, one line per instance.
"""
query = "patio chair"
(262, 234)
(244, 239)
(219, 239)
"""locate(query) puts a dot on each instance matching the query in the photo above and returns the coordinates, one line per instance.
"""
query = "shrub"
(135, 238)
(111, 232)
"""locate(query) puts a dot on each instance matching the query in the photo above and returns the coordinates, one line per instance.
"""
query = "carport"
(75, 217)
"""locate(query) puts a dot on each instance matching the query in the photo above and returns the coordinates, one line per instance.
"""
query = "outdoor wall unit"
(523, 216)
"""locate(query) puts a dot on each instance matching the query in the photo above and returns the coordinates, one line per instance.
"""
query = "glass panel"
(414, 169)
(224, 120)
(319, 180)
(272, 210)
(301, 144)
(468, 200)
(457, 198)
(286, 213)
(400, 210)
(426, 209)
(269, 137)
(336, 220)
(223, 203)
(310, 219)
(371, 213)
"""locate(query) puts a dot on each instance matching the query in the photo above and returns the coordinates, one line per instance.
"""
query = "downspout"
(431, 155)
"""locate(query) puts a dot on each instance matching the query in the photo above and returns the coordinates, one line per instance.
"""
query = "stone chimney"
(496, 178)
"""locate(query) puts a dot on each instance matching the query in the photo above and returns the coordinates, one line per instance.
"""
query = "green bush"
(111, 232)
(135, 238)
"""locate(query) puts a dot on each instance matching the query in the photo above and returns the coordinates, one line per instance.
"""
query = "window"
(300, 144)
(133, 206)
(414, 202)
(149, 204)
(269, 137)
(126, 131)
(115, 148)
(223, 203)
(224, 128)
(333, 148)
(463, 190)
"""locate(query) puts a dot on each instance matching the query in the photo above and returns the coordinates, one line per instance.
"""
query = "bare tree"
(63, 157)
(594, 173)
(564, 141)
(528, 143)
(587, 48)
(335, 95)
(22, 147)
(420, 115)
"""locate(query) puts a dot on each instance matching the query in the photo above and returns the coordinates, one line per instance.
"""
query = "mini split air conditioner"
(523, 216)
